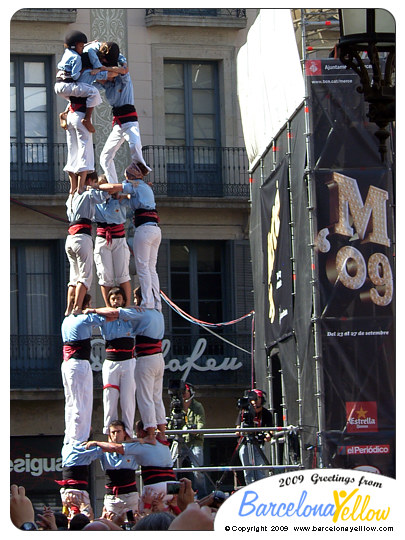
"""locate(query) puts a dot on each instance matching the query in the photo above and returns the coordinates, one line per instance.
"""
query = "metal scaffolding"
(278, 437)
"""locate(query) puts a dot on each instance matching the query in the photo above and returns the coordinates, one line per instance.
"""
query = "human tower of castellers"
(132, 335)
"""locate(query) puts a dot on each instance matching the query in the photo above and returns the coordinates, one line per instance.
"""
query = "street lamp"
(371, 31)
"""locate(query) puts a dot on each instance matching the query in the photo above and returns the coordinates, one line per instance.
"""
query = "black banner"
(355, 267)
(276, 346)
(341, 135)
(277, 271)
(354, 242)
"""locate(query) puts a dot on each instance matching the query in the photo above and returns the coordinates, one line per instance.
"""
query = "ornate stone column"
(109, 25)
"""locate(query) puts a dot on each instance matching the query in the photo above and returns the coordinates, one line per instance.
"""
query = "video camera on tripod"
(247, 411)
(247, 414)
(176, 418)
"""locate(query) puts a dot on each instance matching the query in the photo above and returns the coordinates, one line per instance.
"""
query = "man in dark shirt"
(262, 417)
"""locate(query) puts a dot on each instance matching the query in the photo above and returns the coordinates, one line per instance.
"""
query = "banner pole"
(319, 394)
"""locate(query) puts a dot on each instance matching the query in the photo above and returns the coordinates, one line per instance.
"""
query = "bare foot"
(88, 125)
(62, 120)
(76, 311)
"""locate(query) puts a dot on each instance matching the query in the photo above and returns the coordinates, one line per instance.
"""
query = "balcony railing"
(35, 360)
(199, 12)
(197, 17)
(198, 171)
(178, 171)
(37, 168)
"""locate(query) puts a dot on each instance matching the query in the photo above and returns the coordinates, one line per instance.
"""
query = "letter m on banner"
(369, 219)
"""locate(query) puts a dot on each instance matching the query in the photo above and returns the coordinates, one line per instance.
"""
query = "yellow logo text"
(356, 508)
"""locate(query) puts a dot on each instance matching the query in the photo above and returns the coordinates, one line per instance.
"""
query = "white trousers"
(79, 89)
(146, 244)
(119, 382)
(149, 371)
(77, 381)
(120, 504)
(112, 261)
(79, 145)
(76, 498)
(79, 251)
(129, 131)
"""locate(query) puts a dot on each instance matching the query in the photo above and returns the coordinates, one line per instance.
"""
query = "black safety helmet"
(74, 37)
(112, 55)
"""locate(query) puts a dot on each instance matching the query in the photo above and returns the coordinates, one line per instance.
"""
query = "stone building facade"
(183, 67)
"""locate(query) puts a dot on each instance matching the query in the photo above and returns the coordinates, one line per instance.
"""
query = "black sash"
(119, 481)
(119, 349)
(154, 475)
(75, 477)
(143, 215)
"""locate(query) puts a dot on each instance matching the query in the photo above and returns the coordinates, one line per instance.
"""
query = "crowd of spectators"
(185, 513)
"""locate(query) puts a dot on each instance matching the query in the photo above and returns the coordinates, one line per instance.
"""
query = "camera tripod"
(252, 445)
(253, 451)
(180, 452)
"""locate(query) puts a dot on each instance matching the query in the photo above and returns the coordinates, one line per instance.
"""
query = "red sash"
(71, 482)
(68, 351)
(77, 349)
(130, 117)
(73, 107)
(147, 348)
(111, 231)
(79, 228)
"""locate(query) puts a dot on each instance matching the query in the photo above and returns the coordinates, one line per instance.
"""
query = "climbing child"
(67, 83)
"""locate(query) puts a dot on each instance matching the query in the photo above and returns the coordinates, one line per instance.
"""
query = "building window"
(196, 274)
(36, 308)
(192, 127)
(31, 87)
(191, 103)
(209, 281)
(29, 101)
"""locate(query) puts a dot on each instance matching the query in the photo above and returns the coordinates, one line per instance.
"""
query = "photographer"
(195, 419)
(187, 413)
(253, 414)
